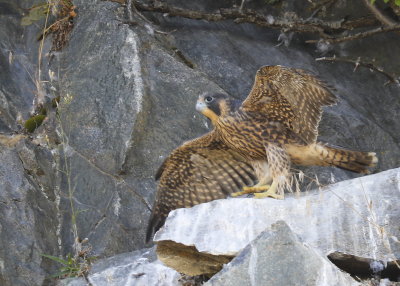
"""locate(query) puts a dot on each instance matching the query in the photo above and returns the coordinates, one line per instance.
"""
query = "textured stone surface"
(187, 260)
(18, 58)
(135, 268)
(133, 99)
(26, 231)
(277, 257)
(122, 120)
(358, 216)
(98, 123)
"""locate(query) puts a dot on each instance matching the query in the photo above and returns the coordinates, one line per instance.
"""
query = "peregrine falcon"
(253, 144)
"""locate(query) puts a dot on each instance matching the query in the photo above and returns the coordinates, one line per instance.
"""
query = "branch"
(392, 78)
(378, 14)
(359, 35)
(295, 24)
(362, 22)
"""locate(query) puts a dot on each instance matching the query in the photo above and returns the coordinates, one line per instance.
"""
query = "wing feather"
(291, 96)
(199, 171)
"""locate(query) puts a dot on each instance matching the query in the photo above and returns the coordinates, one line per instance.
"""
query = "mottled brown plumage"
(291, 96)
(253, 141)
(199, 171)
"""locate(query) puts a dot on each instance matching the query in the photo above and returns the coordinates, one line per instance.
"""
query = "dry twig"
(359, 35)
(132, 8)
(378, 14)
(312, 25)
(294, 24)
(392, 78)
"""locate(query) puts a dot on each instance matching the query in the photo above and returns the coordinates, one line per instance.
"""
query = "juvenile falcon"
(253, 144)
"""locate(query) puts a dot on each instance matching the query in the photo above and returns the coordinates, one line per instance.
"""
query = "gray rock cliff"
(127, 99)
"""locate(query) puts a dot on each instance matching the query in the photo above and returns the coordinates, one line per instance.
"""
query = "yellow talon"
(251, 190)
(270, 193)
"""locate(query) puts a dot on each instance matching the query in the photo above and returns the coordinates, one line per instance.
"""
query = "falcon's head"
(214, 105)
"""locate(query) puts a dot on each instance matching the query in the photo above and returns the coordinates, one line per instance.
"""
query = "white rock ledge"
(359, 216)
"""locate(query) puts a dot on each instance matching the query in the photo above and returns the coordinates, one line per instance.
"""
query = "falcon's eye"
(208, 99)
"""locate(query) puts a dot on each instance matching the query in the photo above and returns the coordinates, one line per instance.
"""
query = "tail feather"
(320, 154)
(157, 219)
(155, 223)
(355, 161)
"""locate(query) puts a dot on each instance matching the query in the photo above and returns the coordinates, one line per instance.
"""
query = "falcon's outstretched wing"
(291, 96)
(199, 171)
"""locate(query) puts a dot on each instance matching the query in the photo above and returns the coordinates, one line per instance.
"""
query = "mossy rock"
(34, 122)
(43, 111)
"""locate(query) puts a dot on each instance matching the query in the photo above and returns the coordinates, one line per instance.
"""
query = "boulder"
(358, 217)
(139, 268)
(277, 257)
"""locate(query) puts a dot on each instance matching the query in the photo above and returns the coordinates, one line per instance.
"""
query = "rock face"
(351, 217)
(134, 268)
(277, 257)
(127, 99)
(25, 230)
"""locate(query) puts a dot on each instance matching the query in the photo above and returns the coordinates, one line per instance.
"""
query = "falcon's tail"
(320, 154)
(156, 221)
(347, 159)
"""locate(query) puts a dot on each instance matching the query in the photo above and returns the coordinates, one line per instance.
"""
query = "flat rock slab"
(277, 257)
(359, 216)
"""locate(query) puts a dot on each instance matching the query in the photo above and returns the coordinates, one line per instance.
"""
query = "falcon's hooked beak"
(202, 107)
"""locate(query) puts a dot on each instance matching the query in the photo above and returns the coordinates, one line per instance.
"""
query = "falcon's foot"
(272, 193)
(251, 190)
